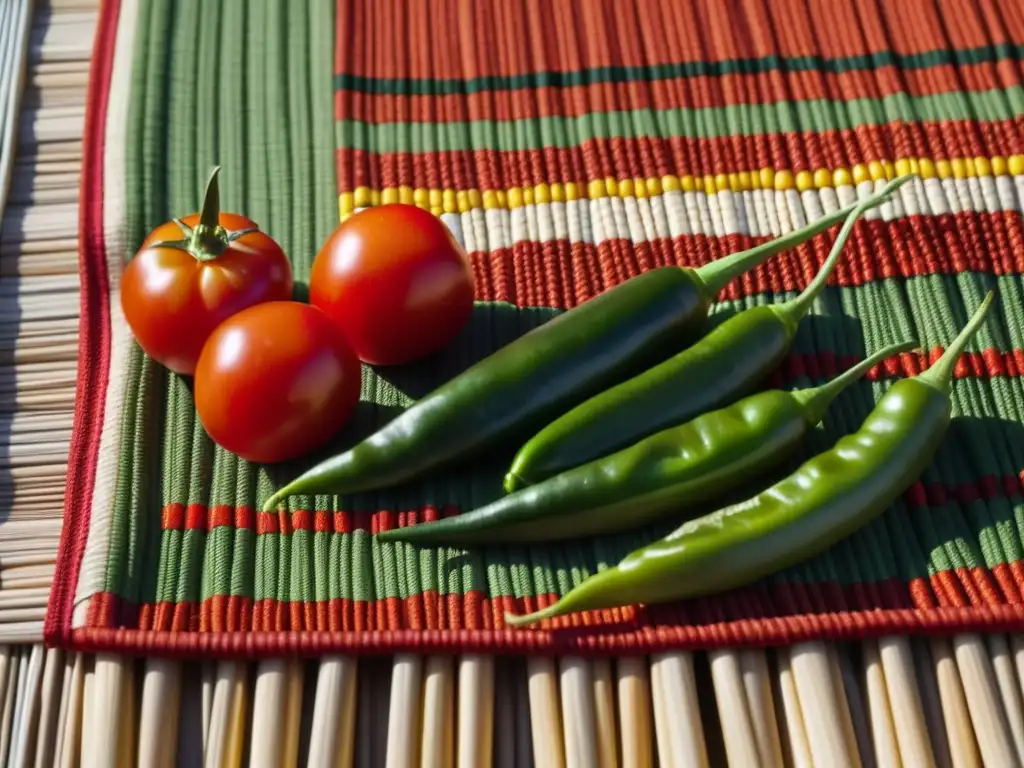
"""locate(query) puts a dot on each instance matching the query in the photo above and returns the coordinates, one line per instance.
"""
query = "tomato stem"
(209, 214)
(208, 239)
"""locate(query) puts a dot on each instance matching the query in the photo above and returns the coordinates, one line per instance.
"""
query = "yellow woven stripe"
(440, 201)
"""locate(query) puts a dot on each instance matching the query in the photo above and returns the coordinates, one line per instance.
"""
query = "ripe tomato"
(395, 281)
(275, 381)
(186, 280)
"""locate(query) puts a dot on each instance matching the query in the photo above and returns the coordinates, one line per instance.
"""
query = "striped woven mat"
(569, 145)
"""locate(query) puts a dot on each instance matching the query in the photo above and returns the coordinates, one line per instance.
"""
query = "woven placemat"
(569, 145)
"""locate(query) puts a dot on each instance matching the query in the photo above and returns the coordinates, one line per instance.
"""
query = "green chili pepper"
(724, 365)
(527, 383)
(666, 472)
(829, 497)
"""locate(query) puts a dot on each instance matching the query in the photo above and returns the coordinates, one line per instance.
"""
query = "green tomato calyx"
(208, 239)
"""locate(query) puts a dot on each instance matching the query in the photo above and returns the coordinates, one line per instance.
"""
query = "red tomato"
(395, 281)
(275, 381)
(184, 282)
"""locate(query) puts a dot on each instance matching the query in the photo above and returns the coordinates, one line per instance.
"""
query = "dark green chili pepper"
(527, 383)
(666, 472)
(829, 497)
(724, 365)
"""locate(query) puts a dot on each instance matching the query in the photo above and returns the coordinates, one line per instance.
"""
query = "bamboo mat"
(892, 701)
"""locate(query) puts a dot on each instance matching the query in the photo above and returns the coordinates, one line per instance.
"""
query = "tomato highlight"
(395, 281)
(276, 381)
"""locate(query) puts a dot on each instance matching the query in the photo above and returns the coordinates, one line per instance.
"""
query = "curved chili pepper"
(826, 499)
(528, 382)
(724, 365)
(680, 466)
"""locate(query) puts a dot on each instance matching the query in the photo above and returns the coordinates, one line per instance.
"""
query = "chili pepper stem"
(940, 373)
(815, 401)
(716, 275)
(793, 311)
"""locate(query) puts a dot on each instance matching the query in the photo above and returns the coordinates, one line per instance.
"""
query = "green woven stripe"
(746, 66)
(189, 115)
(706, 122)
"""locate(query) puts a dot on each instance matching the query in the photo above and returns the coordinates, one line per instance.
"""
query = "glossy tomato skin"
(395, 281)
(173, 301)
(276, 381)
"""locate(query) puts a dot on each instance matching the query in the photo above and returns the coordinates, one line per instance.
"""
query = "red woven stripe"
(93, 338)
(918, 495)
(654, 157)
(178, 517)
(566, 41)
(837, 626)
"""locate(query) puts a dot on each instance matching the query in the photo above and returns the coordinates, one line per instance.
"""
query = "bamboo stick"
(1009, 690)
(158, 718)
(276, 708)
(29, 669)
(475, 742)
(577, 697)
(334, 714)
(8, 678)
(905, 701)
(758, 688)
(731, 700)
(545, 714)
(404, 715)
(436, 720)
(886, 749)
(795, 742)
(634, 700)
(239, 707)
(24, 598)
(108, 695)
(129, 726)
(21, 615)
(88, 713)
(983, 702)
(69, 728)
(605, 729)
(29, 707)
(820, 705)
(49, 709)
(219, 739)
(931, 702)
(14, 671)
(12, 78)
(677, 721)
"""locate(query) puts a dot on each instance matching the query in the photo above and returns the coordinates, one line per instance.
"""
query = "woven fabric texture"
(569, 146)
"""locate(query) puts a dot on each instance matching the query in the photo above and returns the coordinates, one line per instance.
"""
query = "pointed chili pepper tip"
(514, 621)
(513, 482)
(271, 504)
(940, 374)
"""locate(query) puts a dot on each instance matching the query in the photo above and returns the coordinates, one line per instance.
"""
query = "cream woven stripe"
(760, 213)
(94, 561)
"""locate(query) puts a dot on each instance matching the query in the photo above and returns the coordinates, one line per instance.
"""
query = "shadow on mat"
(491, 326)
